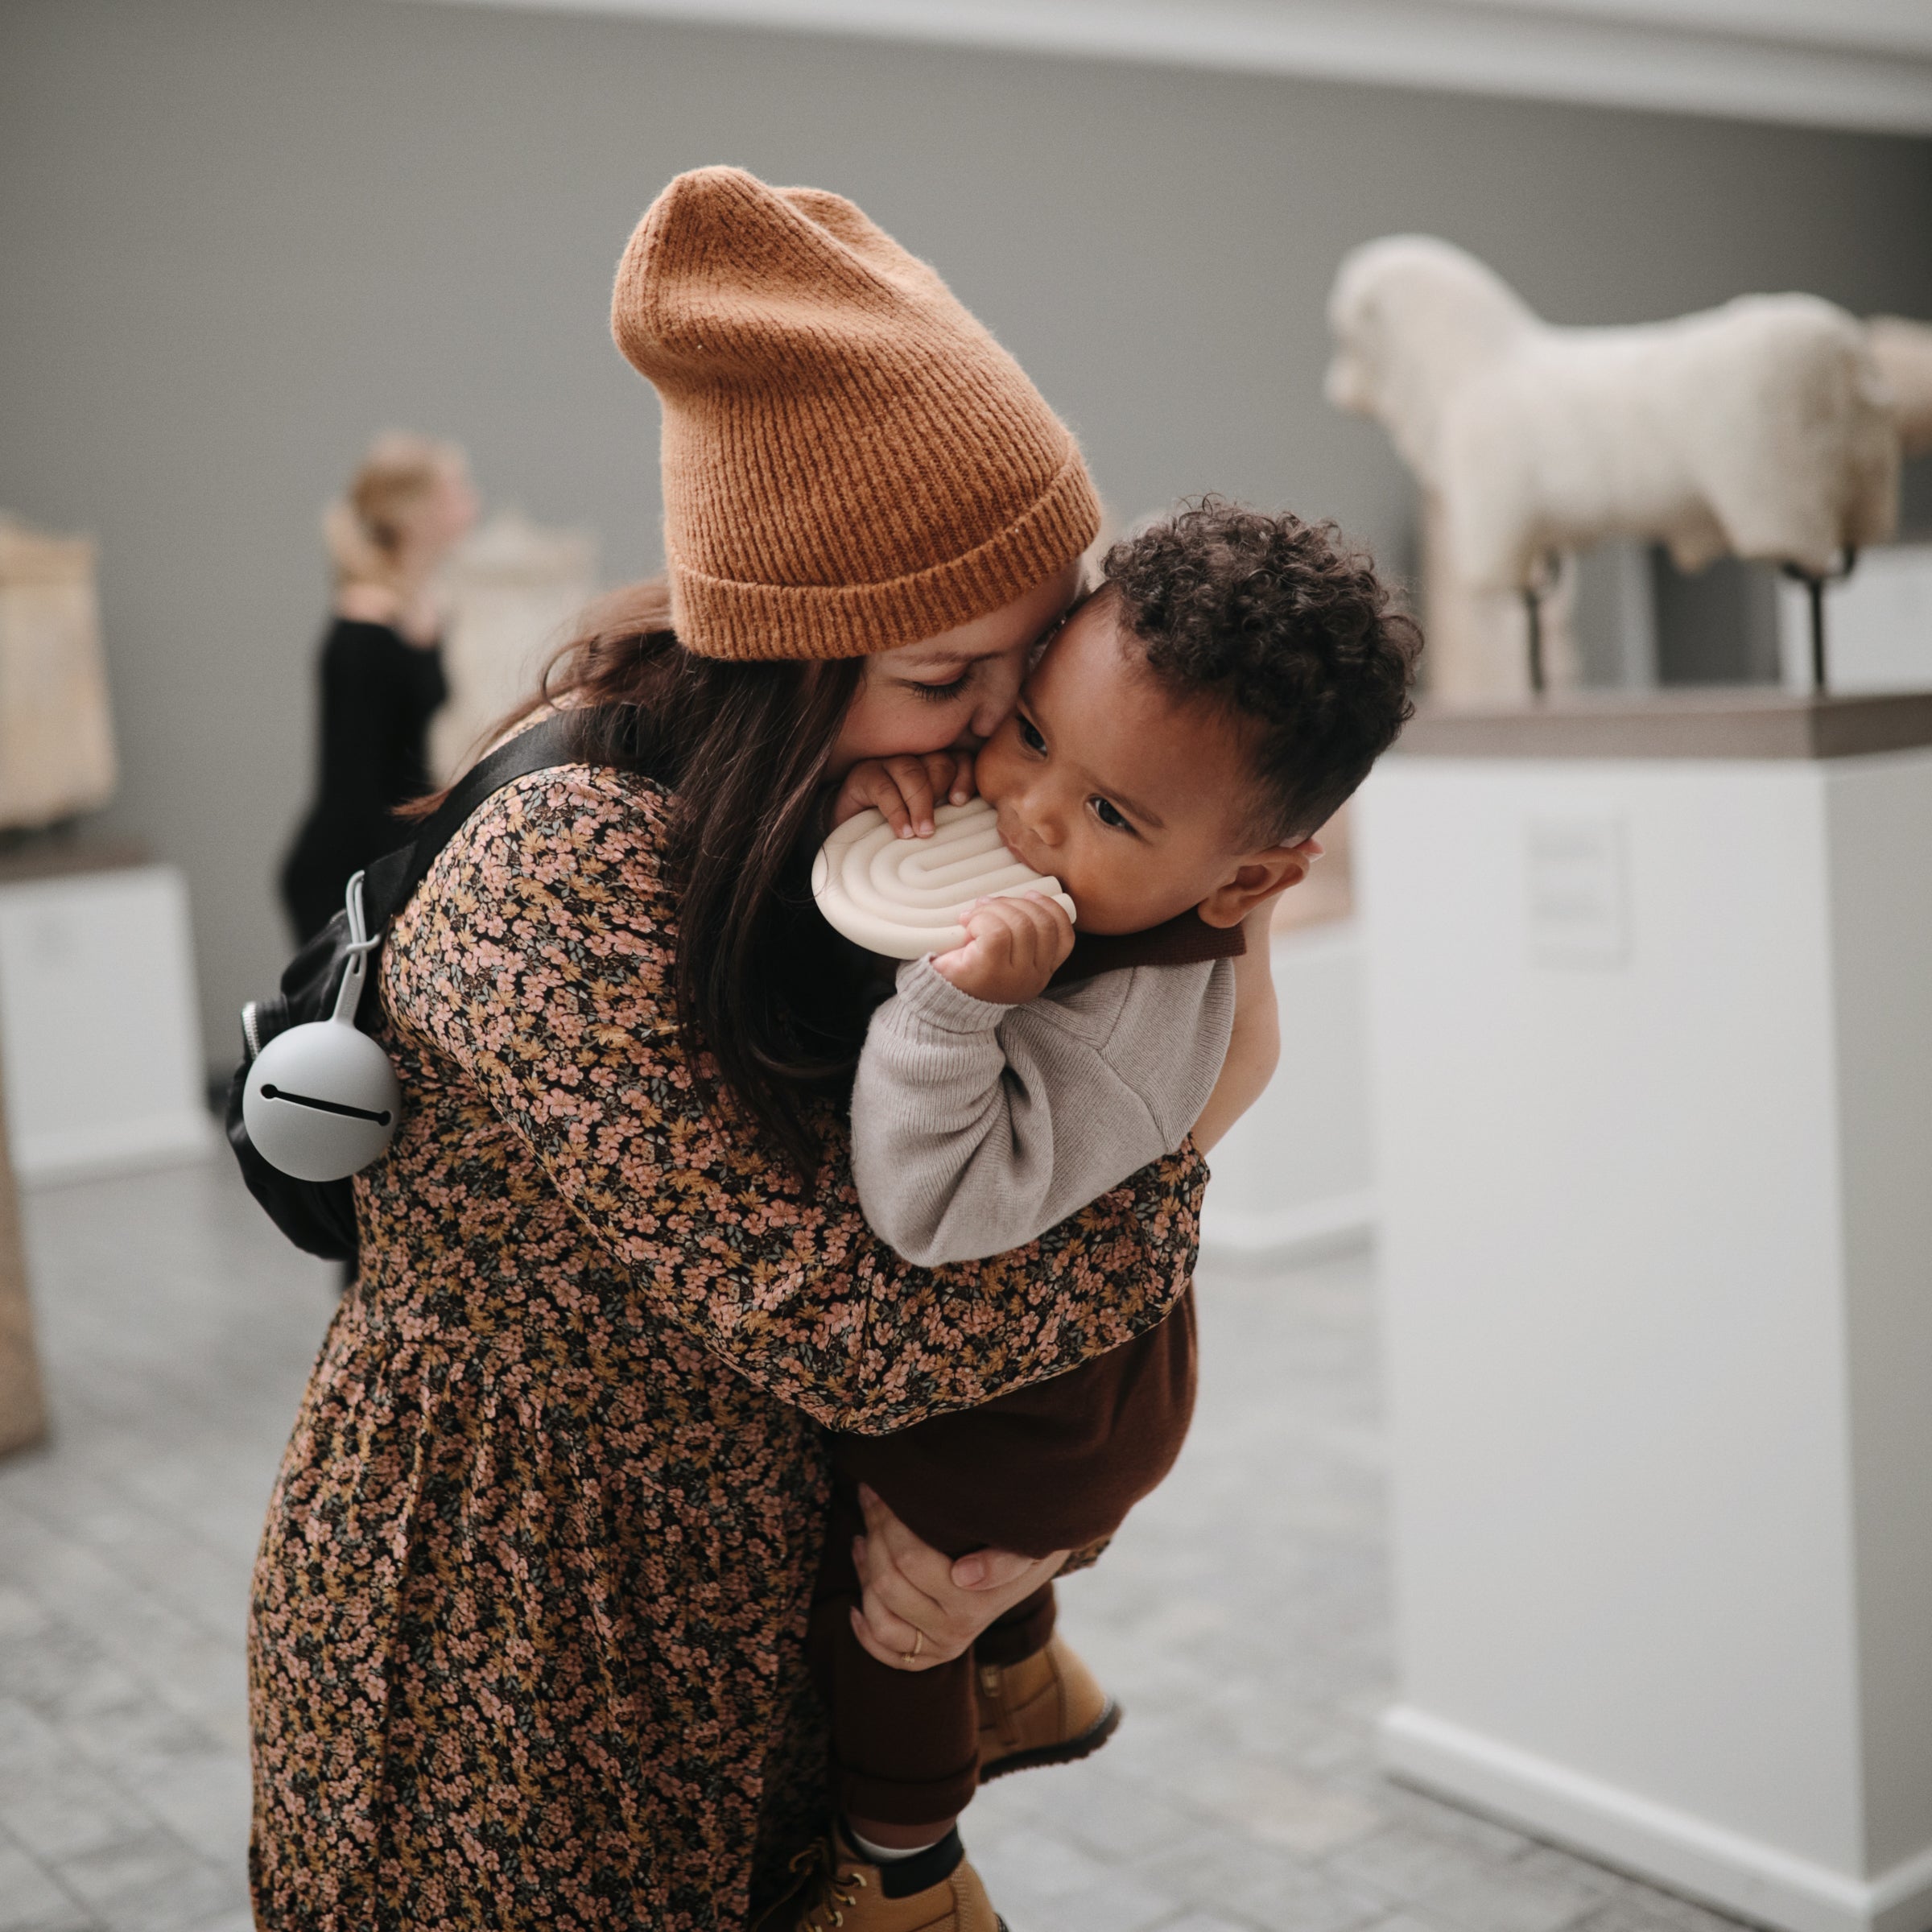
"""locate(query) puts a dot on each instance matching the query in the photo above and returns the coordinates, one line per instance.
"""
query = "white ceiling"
(1860, 64)
(1896, 26)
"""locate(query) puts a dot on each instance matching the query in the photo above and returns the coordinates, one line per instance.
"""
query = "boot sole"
(1069, 1752)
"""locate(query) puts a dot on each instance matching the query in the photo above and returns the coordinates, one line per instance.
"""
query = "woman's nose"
(999, 692)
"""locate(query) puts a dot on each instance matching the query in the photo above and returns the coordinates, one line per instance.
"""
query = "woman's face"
(954, 689)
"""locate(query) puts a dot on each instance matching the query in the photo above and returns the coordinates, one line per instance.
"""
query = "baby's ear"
(1259, 877)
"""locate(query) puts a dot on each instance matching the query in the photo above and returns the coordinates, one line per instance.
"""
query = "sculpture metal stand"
(1814, 592)
(1533, 593)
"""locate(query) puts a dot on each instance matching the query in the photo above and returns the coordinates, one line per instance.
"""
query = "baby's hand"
(1013, 947)
(906, 788)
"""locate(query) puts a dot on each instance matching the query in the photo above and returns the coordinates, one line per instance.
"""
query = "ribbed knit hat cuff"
(718, 617)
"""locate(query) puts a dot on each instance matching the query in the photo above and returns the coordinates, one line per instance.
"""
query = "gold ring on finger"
(918, 1644)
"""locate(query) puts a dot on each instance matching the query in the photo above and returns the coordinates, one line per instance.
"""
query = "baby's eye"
(1110, 815)
(1029, 735)
(939, 694)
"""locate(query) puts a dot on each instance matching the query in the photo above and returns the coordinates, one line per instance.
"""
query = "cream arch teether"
(903, 897)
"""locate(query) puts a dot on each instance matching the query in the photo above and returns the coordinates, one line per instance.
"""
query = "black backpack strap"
(390, 879)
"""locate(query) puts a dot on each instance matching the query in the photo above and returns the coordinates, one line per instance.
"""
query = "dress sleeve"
(537, 957)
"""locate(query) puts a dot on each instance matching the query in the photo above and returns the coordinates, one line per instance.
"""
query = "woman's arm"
(1255, 1046)
(539, 957)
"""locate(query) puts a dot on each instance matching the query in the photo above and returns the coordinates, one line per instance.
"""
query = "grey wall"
(238, 236)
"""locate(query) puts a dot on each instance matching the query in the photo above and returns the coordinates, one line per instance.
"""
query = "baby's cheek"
(1104, 892)
(1118, 888)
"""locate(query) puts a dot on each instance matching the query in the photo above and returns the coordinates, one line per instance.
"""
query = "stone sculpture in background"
(1762, 429)
(1903, 350)
(1479, 639)
(56, 737)
(513, 591)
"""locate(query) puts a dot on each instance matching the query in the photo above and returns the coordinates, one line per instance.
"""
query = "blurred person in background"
(406, 508)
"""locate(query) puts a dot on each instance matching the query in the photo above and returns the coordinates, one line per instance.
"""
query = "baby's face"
(1137, 805)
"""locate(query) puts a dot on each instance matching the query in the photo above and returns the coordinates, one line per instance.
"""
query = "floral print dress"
(526, 1645)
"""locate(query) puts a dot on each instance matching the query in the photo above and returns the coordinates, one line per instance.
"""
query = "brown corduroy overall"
(1056, 1466)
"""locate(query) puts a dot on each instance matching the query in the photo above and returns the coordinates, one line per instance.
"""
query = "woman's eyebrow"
(944, 661)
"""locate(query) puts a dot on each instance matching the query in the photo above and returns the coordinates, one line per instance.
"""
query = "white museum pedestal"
(1291, 1180)
(100, 1038)
(1649, 998)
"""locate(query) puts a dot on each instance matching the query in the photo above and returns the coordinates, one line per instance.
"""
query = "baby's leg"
(1023, 1632)
(904, 1743)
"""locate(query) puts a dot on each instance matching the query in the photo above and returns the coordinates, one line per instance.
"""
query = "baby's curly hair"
(1284, 624)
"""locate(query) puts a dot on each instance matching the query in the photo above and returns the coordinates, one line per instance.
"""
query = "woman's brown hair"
(761, 983)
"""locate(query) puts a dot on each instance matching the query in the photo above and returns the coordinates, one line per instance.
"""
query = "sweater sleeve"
(537, 957)
(976, 1127)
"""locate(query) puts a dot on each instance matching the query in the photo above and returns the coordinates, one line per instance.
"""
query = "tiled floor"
(1241, 1617)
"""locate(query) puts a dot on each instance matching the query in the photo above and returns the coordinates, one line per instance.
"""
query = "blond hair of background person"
(409, 504)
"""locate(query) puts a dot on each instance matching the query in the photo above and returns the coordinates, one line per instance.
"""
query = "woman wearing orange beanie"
(527, 1646)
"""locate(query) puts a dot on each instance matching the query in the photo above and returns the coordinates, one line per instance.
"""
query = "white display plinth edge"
(1654, 1841)
(97, 1010)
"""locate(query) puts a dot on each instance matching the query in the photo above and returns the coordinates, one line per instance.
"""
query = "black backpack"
(320, 1217)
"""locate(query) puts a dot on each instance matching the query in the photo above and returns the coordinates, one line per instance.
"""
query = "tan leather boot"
(934, 1891)
(1047, 1709)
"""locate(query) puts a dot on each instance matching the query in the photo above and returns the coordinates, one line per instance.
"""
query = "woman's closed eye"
(941, 694)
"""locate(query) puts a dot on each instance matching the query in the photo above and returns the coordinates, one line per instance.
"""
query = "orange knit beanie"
(851, 461)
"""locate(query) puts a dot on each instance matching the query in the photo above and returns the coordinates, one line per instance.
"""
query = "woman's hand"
(921, 1608)
(906, 788)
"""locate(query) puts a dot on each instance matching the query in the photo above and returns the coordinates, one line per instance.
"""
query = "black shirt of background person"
(378, 694)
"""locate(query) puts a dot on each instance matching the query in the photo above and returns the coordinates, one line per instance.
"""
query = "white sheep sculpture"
(1903, 350)
(1762, 428)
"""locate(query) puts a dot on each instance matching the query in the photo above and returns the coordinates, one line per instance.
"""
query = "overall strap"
(1188, 940)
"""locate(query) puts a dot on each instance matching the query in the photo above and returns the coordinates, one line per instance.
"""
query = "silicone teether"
(903, 897)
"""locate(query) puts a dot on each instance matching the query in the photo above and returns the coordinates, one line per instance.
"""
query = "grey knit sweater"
(976, 1127)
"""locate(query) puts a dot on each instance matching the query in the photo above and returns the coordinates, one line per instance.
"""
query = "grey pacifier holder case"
(326, 1100)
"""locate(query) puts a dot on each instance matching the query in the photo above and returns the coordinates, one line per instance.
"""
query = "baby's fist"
(1013, 947)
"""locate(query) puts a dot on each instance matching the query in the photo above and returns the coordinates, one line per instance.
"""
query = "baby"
(1184, 733)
